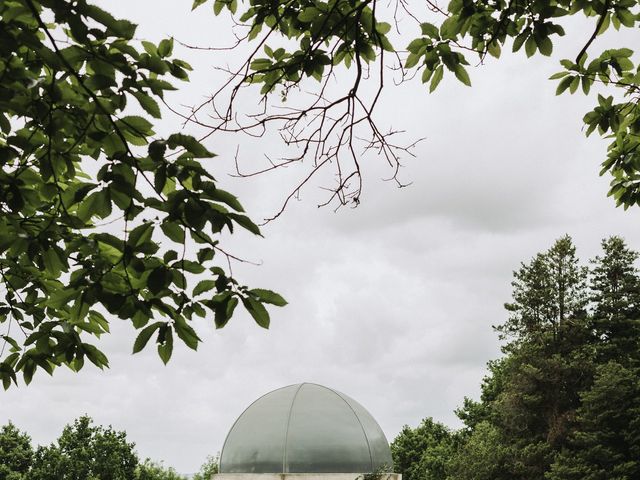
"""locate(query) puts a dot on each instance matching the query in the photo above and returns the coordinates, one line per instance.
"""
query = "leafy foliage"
(83, 451)
(422, 453)
(319, 36)
(208, 468)
(150, 470)
(16, 453)
(99, 215)
(86, 451)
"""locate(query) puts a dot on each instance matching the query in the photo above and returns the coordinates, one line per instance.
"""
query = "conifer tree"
(615, 287)
(546, 365)
(606, 443)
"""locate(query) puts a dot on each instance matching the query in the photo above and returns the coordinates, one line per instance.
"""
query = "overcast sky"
(391, 303)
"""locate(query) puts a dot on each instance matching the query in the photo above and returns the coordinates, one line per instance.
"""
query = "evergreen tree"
(547, 365)
(606, 442)
(549, 295)
(615, 287)
(563, 403)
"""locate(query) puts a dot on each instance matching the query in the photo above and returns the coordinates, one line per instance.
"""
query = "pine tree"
(549, 297)
(546, 363)
(615, 287)
(606, 442)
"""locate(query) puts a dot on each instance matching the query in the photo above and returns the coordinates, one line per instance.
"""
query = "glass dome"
(305, 428)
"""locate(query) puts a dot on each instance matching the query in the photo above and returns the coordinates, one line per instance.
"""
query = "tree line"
(563, 402)
(137, 235)
(83, 451)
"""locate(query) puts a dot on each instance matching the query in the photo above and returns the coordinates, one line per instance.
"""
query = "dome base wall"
(306, 476)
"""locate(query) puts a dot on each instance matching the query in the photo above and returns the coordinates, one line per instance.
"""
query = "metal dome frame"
(305, 428)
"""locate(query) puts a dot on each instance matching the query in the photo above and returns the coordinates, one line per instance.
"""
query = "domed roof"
(305, 428)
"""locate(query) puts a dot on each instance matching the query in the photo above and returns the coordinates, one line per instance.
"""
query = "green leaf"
(412, 60)
(545, 45)
(494, 49)
(267, 296)
(575, 83)
(97, 204)
(309, 14)
(203, 286)
(149, 104)
(436, 78)
(190, 144)
(520, 39)
(165, 349)
(197, 3)
(139, 125)
(187, 334)
(174, 231)
(95, 356)
(430, 30)
(257, 311)
(165, 47)
(530, 46)
(189, 266)
(141, 234)
(383, 28)
(564, 84)
(150, 48)
(462, 75)
(225, 197)
(426, 75)
(159, 279)
(245, 222)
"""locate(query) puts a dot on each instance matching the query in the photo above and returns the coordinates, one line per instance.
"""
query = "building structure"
(307, 431)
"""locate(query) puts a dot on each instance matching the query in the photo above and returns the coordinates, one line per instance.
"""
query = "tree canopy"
(83, 451)
(563, 401)
(382, 43)
(100, 217)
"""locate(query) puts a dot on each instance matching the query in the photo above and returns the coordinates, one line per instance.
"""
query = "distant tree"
(16, 453)
(483, 455)
(615, 294)
(85, 451)
(549, 295)
(530, 397)
(150, 470)
(474, 412)
(208, 468)
(563, 403)
(606, 442)
(422, 453)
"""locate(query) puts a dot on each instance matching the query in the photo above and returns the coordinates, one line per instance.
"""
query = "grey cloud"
(391, 302)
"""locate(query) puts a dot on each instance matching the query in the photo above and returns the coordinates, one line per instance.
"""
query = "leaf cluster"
(327, 34)
(99, 215)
